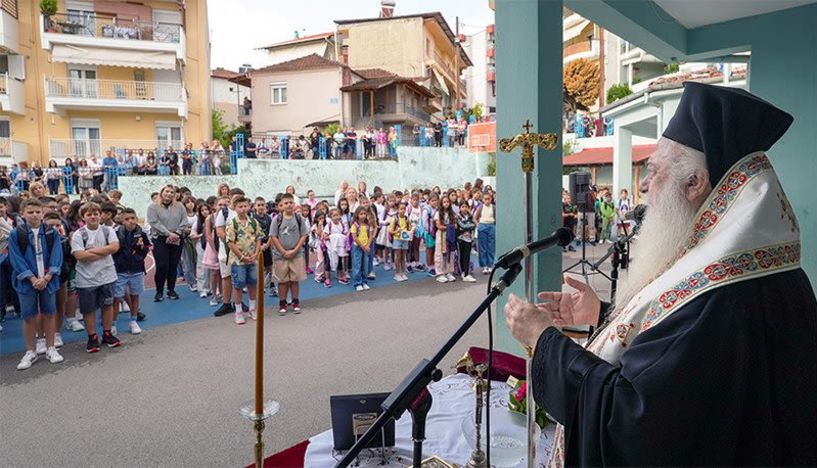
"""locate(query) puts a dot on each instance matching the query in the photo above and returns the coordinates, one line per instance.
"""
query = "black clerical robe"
(728, 379)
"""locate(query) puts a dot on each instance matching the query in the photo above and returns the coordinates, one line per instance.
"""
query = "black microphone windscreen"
(565, 236)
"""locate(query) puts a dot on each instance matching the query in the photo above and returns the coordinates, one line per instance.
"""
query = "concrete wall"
(393, 45)
(312, 96)
(417, 168)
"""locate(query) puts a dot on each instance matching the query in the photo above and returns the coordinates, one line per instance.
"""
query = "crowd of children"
(58, 256)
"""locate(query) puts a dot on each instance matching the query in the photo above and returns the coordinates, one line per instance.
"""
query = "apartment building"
(480, 79)
(231, 99)
(102, 73)
(322, 45)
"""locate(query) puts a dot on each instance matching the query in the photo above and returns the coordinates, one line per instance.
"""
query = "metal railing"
(5, 146)
(111, 27)
(4, 83)
(113, 89)
(60, 149)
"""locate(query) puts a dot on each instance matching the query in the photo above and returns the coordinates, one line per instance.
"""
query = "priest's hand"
(526, 321)
(580, 307)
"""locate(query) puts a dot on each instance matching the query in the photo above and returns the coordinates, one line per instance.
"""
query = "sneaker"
(74, 325)
(140, 317)
(223, 310)
(359, 288)
(296, 306)
(57, 340)
(405, 278)
(29, 358)
(239, 318)
(114, 332)
(53, 356)
(442, 279)
(327, 283)
(432, 272)
(410, 269)
(134, 328)
(469, 279)
(387, 266)
(159, 297)
(124, 308)
(172, 296)
(110, 341)
(203, 294)
(319, 278)
(214, 301)
(245, 307)
(282, 307)
(420, 268)
(40, 346)
(366, 287)
(343, 281)
(273, 292)
(451, 278)
(375, 262)
(253, 314)
(193, 289)
(309, 270)
(93, 344)
(398, 278)
(486, 271)
(371, 276)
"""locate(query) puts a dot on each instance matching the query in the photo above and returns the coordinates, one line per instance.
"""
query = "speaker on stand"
(582, 196)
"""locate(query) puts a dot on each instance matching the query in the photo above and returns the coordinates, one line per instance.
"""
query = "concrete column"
(622, 161)
(529, 86)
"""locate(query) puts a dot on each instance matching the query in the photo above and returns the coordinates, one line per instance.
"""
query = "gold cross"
(528, 141)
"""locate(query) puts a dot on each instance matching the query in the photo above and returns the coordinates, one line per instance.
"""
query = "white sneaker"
(53, 355)
(398, 278)
(442, 279)
(29, 358)
(387, 267)
(486, 271)
(134, 328)
(366, 287)
(57, 340)
(125, 307)
(40, 346)
(114, 332)
(376, 262)
(239, 318)
(203, 294)
(214, 301)
(253, 314)
(451, 278)
(74, 325)
(358, 288)
(469, 279)
(193, 289)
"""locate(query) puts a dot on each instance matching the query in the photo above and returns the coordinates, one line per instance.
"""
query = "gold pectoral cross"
(528, 141)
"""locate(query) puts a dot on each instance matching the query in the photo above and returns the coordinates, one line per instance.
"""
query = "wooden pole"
(259, 363)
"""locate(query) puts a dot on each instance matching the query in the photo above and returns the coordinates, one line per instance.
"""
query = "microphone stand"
(620, 251)
(412, 394)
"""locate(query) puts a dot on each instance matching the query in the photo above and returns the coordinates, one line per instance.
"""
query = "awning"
(573, 31)
(114, 57)
(441, 82)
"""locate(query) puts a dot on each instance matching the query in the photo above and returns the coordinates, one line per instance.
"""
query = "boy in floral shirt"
(243, 239)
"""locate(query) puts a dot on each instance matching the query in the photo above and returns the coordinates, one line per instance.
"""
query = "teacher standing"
(168, 226)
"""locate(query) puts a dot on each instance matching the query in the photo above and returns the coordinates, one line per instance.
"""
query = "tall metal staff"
(528, 141)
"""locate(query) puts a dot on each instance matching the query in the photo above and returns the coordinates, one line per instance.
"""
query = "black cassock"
(728, 379)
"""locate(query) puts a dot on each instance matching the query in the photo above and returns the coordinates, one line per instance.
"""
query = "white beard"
(666, 228)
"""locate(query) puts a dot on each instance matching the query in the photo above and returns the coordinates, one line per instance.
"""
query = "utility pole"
(457, 65)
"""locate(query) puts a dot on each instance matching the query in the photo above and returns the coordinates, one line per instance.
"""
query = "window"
(85, 138)
(168, 134)
(278, 93)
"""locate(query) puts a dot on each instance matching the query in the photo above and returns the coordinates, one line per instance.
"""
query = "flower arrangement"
(517, 402)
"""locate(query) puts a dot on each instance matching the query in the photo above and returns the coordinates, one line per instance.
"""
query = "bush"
(492, 166)
(617, 92)
(48, 7)
(671, 68)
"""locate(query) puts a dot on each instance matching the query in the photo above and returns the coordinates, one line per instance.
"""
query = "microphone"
(560, 237)
(637, 214)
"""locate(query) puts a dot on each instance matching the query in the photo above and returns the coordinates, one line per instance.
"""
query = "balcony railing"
(71, 148)
(4, 83)
(5, 147)
(113, 89)
(401, 108)
(111, 27)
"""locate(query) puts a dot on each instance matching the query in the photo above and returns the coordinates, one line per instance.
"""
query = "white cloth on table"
(453, 400)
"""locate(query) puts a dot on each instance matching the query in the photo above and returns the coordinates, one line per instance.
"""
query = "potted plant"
(49, 8)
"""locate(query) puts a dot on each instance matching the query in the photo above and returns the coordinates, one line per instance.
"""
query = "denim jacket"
(24, 264)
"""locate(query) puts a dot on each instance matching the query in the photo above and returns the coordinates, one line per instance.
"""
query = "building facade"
(231, 99)
(480, 79)
(322, 45)
(102, 74)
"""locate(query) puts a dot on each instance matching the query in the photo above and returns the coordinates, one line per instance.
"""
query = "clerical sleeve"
(728, 379)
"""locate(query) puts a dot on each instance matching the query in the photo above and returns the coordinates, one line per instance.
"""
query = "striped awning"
(113, 57)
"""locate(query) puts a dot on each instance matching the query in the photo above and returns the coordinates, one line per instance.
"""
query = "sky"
(238, 27)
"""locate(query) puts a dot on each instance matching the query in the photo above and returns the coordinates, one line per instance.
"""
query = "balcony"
(399, 111)
(244, 114)
(60, 149)
(9, 27)
(581, 49)
(105, 40)
(12, 151)
(12, 95)
(63, 94)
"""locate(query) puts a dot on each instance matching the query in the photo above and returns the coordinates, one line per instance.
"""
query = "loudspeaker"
(580, 194)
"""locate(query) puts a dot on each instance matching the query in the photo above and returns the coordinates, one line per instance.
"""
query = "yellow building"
(421, 47)
(102, 73)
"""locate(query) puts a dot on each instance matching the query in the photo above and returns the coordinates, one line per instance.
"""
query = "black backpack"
(22, 236)
(280, 219)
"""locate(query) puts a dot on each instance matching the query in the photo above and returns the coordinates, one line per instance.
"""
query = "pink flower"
(522, 393)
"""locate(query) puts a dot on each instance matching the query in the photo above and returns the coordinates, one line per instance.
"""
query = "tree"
(618, 91)
(580, 85)
(221, 131)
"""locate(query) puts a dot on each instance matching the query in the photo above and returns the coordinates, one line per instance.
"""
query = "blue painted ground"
(191, 307)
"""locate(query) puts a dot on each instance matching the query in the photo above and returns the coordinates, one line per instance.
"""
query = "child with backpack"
(36, 259)
(244, 244)
(129, 261)
(288, 233)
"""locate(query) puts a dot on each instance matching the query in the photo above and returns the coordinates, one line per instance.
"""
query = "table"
(453, 400)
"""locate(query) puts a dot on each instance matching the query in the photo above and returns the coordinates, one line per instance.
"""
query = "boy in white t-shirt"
(93, 246)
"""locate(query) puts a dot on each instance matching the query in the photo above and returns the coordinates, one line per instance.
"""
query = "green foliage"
(568, 147)
(492, 166)
(671, 68)
(618, 91)
(476, 111)
(221, 131)
(330, 129)
(48, 7)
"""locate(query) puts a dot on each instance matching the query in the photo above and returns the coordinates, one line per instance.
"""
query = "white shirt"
(97, 272)
(38, 253)
(220, 221)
